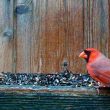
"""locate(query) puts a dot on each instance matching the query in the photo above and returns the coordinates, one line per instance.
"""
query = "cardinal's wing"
(101, 69)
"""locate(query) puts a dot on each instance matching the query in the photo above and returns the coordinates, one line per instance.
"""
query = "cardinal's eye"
(87, 52)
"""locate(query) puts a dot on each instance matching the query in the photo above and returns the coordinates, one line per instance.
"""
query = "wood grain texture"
(24, 35)
(58, 25)
(6, 23)
(96, 24)
(51, 33)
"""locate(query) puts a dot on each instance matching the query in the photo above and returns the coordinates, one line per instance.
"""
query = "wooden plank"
(75, 35)
(1, 35)
(29, 101)
(14, 53)
(6, 28)
(96, 24)
(55, 101)
(24, 28)
(55, 90)
(109, 28)
(57, 32)
(39, 40)
(60, 90)
(46, 58)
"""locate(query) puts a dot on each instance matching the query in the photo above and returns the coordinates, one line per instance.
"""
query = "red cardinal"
(98, 65)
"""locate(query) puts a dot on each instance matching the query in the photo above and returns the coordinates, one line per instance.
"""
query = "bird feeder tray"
(63, 91)
(62, 81)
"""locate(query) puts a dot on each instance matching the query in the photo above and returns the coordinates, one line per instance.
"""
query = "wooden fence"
(45, 35)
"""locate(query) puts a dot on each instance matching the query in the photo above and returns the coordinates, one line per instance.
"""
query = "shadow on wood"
(104, 90)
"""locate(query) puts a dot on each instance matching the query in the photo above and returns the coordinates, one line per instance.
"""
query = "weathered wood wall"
(51, 33)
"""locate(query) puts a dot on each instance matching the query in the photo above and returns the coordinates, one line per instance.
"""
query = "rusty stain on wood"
(51, 33)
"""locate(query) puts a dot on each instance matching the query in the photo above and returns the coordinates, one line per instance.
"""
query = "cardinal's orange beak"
(83, 55)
